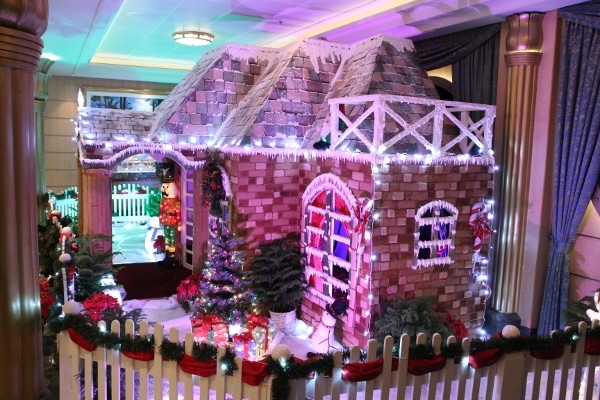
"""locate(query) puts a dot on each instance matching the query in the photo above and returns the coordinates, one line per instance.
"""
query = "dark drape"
(473, 55)
(577, 150)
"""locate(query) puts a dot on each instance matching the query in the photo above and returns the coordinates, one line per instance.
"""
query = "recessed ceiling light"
(193, 38)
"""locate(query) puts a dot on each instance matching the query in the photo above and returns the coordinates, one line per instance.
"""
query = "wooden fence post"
(510, 377)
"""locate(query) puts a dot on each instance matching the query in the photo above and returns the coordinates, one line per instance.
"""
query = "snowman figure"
(595, 314)
(322, 340)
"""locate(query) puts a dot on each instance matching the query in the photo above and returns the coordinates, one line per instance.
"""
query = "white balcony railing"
(381, 124)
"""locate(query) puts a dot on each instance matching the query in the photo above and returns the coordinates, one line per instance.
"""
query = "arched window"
(327, 238)
(434, 236)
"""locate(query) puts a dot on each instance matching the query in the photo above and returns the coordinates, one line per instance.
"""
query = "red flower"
(459, 329)
(159, 244)
(101, 306)
(188, 288)
(46, 299)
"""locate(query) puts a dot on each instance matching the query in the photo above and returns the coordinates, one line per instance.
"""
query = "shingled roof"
(278, 97)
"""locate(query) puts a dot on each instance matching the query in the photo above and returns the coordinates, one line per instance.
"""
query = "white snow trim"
(334, 260)
(316, 210)
(141, 148)
(364, 158)
(319, 295)
(436, 204)
(294, 154)
(328, 278)
(400, 44)
(433, 262)
(435, 220)
(329, 181)
(226, 183)
(321, 49)
(430, 244)
(314, 230)
(313, 251)
(238, 51)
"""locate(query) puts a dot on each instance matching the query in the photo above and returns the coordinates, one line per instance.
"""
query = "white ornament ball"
(281, 351)
(66, 231)
(510, 331)
(72, 307)
(64, 257)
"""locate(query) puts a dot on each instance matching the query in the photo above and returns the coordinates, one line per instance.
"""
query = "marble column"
(522, 58)
(22, 22)
(40, 96)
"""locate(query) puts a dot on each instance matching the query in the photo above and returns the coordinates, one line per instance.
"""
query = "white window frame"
(433, 245)
(333, 187)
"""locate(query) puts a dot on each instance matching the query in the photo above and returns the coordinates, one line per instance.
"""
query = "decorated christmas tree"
(225, 289)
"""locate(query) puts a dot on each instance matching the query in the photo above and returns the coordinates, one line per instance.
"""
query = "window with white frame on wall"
(435, 224)
(327, 240)
(187, 217)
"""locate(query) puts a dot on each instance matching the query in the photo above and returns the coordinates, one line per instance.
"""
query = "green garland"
(284, 372)
(137, 344)
(521, 343)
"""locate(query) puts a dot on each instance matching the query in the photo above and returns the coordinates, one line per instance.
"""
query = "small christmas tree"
(225, 289)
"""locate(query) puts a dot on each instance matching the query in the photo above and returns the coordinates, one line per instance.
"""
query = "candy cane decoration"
(65, 234)
(478, 222)
(362, 211)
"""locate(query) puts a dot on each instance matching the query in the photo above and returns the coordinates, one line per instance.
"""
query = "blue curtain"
(577, 150)
(473, 55)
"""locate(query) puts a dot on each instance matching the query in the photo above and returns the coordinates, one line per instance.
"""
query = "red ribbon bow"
(256, 321)
(362, 211)
(478, 222)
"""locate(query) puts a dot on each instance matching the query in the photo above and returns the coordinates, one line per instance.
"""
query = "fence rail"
(381, 124)
(128, 203)
(514, 376)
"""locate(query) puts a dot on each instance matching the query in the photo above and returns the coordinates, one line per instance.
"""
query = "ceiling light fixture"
(193, 38)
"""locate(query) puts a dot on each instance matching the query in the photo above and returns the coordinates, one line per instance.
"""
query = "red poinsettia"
(159, 244)
(101, 306)
(188, 288)
(46, 299)
(457, 327)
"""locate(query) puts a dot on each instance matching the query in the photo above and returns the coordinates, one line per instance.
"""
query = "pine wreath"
(212, 186)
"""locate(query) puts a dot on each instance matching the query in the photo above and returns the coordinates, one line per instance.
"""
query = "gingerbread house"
(348, 145)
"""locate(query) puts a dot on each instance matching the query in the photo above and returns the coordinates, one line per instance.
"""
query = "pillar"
(40, 96)
(22, 22)
(522, 58)
(95, 200)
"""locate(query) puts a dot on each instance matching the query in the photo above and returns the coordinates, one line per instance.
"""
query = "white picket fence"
(574, 375)
(128, 204)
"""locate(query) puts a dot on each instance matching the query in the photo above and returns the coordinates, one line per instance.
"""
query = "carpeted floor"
(149, 281)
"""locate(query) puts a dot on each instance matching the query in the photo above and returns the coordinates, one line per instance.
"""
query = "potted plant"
(414, 316)
(278, 281)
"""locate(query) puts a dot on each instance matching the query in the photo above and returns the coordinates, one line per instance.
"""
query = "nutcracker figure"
(169, 214)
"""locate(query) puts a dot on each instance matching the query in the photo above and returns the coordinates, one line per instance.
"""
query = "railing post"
(334, 124)
(438, 128)
(378, 124)
(64, 366)
(510, 379)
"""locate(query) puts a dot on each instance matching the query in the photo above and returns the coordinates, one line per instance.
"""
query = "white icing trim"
(433, 262)
(429, 244)
(328, 278)
(324, 297)
(328, 181)
(436, 204)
